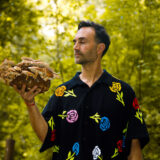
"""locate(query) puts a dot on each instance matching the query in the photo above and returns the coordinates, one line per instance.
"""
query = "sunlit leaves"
(44, 29)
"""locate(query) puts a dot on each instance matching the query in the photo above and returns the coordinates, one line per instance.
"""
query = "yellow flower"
(60, 91)
(115, 87)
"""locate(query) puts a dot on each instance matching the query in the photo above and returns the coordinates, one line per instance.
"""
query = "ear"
(100, 48)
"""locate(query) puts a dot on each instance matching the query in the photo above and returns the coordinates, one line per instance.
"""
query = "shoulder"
(67, 84)
(123, 86)
(62, 88)
(124, 91)
(71, 83)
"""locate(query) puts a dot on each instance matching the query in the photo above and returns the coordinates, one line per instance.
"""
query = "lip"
(77, 54)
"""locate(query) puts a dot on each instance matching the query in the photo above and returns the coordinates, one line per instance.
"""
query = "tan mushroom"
(29, 71)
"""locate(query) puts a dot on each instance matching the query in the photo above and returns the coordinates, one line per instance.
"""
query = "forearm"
(135, 157)
(38, 122)
(136, 152)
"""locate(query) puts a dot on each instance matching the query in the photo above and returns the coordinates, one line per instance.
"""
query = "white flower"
(96, 152)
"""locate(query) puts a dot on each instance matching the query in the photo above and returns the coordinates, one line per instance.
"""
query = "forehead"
(85, 32)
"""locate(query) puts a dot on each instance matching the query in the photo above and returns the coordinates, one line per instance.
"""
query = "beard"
(84, 59)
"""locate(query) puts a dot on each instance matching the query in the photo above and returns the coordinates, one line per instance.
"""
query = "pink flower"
(72, 116)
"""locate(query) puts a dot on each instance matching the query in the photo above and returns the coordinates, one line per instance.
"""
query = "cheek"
(84, 48)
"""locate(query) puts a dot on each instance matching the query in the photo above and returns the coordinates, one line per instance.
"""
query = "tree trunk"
(9, 149)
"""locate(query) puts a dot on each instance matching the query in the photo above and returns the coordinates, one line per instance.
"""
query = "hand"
(28, 97)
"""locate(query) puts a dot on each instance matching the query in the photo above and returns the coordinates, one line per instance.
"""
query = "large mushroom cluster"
(28, 71)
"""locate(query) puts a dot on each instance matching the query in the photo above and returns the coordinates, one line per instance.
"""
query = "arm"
(135, 152)
(38, 123)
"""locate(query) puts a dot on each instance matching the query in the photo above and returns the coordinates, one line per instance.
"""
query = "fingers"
(33, 89)
(37, 92)
(27, 96)
(20, 91)
(23, 88)
(15, 87)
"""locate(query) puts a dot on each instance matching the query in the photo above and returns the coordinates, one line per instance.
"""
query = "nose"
(76, 46)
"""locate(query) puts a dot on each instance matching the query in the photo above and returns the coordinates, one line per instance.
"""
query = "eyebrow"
(80, 38)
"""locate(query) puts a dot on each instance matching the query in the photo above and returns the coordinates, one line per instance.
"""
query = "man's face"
(85, 46)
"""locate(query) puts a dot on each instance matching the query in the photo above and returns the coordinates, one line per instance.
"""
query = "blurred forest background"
(44, 29)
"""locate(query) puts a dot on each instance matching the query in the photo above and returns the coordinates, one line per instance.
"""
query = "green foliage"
(45, 29)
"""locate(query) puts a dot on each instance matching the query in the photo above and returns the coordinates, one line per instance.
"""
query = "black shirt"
(96, 122)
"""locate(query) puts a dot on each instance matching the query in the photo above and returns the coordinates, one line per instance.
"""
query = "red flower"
(135, 104)
(53, 135)
(119, 145)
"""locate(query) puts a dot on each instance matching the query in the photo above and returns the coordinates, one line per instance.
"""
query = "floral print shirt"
(92, 123)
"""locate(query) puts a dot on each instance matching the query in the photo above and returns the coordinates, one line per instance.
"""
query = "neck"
(91, 73)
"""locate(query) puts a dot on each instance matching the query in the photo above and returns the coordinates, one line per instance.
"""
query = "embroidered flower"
(124, 135)
(71, 116)
(75, 150)
(119, 145)
(124, 141)
(96, 153)
(115, 87)
(53, 135)
(135, 104)
(104, 121)
(51, 125)
(60, 91)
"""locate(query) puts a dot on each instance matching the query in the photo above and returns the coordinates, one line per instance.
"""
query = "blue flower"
(123, 144)
(104, 123)
(75, 148)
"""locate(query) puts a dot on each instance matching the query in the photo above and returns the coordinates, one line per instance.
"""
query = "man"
(94, 115)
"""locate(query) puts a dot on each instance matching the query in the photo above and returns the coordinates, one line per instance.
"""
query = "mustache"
(77, 52)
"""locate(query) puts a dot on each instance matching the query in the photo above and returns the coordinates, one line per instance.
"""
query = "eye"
(74, 41)
(82, 42)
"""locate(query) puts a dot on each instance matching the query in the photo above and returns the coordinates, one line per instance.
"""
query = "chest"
(91, 106)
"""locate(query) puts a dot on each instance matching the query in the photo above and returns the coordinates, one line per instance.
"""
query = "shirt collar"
(105, 78)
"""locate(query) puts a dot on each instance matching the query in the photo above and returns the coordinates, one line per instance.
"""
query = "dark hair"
(101, 34)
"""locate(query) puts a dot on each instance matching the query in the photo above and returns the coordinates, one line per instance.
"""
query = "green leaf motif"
(70, 156)
(63, 115)
(64, 112)
(139, 116)
(56, 149)
(69, 93)
(51, 123)
(100, 157)
(120, 98)
(115, 153)
(96, 117)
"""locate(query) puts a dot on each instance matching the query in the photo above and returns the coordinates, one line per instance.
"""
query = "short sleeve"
(49, 114)
(136, 125)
